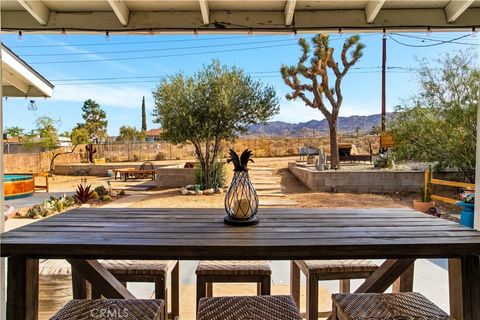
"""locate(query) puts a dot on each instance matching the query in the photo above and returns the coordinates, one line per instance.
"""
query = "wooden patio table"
(83, 235)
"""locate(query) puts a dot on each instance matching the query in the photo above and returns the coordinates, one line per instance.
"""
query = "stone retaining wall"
(175, 177)
(359, 181)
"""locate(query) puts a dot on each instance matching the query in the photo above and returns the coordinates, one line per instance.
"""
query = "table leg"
(295, 282)
(79, 285)
(385, 275)
(405, 282)
(470, 266)
(101, 279)
(22, 288)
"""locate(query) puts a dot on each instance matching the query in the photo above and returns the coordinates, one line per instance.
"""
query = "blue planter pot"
(466, 216)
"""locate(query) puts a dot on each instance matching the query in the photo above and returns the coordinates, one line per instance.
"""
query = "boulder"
(199, 192)
(208, 192)
(190, 192)
(183, 190)
(190, 187)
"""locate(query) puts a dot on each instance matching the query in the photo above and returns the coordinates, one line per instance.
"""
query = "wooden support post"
(101, 279)
(22, 288)
(471, 287)
(405, 282)
(385, 275)
(455, 288)
(79, 285)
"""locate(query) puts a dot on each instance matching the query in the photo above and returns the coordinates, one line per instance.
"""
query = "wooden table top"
(155, 233)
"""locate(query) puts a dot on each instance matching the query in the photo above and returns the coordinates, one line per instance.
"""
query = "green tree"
(14, 131)
(315, 67)
(144, 116)
(95, 120)
(357, 131)
(439, 122)
(216, 103)
(130, 134)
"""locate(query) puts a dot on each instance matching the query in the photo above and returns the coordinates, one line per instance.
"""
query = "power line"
(437, 40)
(163, 56)
(156, 49)
(427, 45)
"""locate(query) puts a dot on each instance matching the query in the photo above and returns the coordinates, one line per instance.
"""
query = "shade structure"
(21, 80)
(163, 16)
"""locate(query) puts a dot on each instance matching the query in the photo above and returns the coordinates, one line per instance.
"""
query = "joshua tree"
(315, 67)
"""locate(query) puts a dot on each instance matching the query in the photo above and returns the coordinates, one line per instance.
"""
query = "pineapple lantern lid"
(240, 163)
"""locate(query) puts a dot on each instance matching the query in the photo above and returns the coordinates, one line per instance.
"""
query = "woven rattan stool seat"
(133, 267)
(79, 309)
(339, 266)
(402, 305)
(234, 267)
(251, 308)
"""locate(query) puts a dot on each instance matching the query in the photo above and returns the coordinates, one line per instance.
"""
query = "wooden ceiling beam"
(204, 8)
(289, 11)
(37, 10)
(121, 11)
(372, 9)
(456, 8)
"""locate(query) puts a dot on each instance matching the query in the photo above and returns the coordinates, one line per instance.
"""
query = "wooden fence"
(430, 181)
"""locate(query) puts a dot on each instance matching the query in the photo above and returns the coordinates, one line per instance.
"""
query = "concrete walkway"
(269, 189)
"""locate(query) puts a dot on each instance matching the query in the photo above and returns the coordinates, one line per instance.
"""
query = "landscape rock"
(199, 193)
(218, 190)
(190, 187)
(190, 192)
(184, 190)
(208, 192)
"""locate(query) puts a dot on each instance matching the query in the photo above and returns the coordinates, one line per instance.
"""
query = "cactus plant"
(83, 193)
(91, 150)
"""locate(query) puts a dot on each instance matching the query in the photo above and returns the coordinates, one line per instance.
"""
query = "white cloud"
(116, 96)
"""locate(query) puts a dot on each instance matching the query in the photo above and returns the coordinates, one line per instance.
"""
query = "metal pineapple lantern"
(241, 200)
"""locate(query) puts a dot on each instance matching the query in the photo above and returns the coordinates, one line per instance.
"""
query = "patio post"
(2, 207)
(476, 216)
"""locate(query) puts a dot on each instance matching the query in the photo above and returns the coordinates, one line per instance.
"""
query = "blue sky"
(137, 71)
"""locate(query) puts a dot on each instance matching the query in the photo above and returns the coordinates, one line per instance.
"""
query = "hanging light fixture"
(429, 31)
(32, 106)
(195, 33)
(250, 32)
(20, 35)
(384, 34)
(64, 33)
(474, 32)
(107, 35)
(294, 34)
(340, 32)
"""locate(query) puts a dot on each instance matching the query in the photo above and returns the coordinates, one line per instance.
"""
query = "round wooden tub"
(18, 186)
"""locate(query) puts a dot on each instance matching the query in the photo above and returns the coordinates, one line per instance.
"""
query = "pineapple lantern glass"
(241, 200)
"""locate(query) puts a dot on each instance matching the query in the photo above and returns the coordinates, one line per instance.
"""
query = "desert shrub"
(122, 193)
(95, 195)
(40, 209)
(160, 156)
(106, 198)
(101, 191)
(384, 161)
(217, 178)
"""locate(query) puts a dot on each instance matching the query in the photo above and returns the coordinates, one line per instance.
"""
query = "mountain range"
(346, 125)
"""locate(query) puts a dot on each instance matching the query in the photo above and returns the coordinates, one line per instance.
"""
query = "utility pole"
(384, 70)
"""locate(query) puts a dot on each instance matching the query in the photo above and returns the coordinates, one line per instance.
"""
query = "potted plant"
(468, 205)
(426, 202)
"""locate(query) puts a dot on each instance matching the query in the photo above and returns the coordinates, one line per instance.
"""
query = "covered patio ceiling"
(230, 16)
(19, 79)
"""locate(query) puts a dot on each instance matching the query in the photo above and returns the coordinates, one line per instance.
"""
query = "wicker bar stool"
(387, 306)
(156, 271)
(251, 308)
(317, 270)
(80, 309)
(209, 272)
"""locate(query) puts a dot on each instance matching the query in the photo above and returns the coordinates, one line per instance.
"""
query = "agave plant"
(241, 162)
(83, 193)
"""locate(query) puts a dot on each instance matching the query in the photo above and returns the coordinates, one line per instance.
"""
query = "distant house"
(153, 135)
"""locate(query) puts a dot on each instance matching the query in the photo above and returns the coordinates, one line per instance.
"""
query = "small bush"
(121, 193)
(101, 191)
(95, 195)
(217, 178)
(106, 198)
(160, 156)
